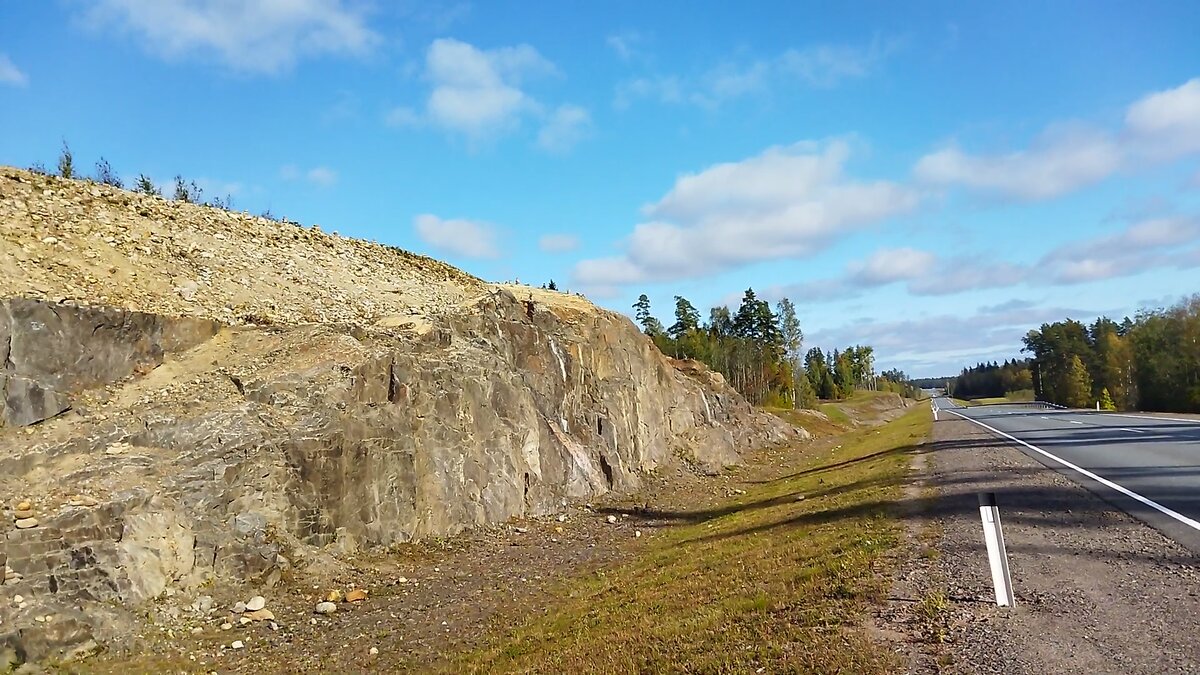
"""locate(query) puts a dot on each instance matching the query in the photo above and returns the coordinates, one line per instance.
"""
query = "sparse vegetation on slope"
(779, 579)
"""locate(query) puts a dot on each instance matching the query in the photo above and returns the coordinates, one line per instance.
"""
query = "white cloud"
(558, 243)
(816, 66)
(320, 176)
(566, 126)
(626, 45)
(477, 92)
(1055, 165)
(788, 202)
(1166, 124)
(1147, 244)
(480, 94)
(10, 74)
(468, 238)
(1158, 127)
(889, 265)
(827, 65)
(1152, 243)
(257, 36)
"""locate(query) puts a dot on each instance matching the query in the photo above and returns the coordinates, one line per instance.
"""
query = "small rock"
(799, 498)
(197, 630)
(260, 615)
(562, 517)
(356, 595)
(325, 608)
(26, 523)
(611, 519)
(243, 621)
(239, 607)
(50, 240)
(18, 599)
(373, 651)
(520, 530)
(237, 644)
(23, 514)
(256, 603)
(637, 533)
(334, 596)
(226, 626)
(24, 506)
(403, 580)
(558, 530)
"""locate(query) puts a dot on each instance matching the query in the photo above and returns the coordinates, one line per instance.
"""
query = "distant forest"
(1150, 362)
(760, 352)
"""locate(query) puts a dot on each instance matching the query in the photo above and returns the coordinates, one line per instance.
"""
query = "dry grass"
(771, 581)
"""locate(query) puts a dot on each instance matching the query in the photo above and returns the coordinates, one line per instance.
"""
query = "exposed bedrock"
(163, 453)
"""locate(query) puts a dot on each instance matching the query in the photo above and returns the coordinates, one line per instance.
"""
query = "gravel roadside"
(1097, 591)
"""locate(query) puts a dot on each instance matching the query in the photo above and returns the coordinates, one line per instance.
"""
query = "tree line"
(759, 351)
(992, 380)
(1150, 362)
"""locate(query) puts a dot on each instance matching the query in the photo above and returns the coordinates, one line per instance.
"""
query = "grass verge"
(779, 579)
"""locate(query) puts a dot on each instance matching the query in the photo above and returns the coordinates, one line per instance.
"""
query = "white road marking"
(1150, 417)
(1044, 417)
(1132, 431)
(1103, 481)
(1075, 422)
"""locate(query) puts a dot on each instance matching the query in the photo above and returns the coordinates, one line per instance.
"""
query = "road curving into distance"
(1148, 466)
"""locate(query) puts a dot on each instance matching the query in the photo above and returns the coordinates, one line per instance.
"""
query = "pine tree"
(1106, 402)
(146, 186)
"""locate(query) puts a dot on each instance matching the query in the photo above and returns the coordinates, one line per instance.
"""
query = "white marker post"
(935, 410)
(993, 536)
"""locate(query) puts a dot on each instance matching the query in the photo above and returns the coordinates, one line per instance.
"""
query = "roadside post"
(933, 405)
(993, 536)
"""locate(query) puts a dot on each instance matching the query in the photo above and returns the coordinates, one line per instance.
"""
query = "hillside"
(195, 398)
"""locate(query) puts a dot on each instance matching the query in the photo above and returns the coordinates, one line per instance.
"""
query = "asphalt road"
(1148, 466)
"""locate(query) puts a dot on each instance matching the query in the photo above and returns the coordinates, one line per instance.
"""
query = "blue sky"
(932, 179)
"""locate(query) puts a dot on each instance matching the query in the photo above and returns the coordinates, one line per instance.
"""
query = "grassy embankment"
(780, 578)
(1022, 396)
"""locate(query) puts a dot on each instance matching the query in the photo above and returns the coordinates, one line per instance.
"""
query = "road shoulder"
(1097, 590)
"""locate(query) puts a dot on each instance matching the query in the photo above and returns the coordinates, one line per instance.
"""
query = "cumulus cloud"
(897, 264)
(1166, 124)
(467, 238)
(565, 127)
(255, 36)
(1158, 127)
(10, 74)
(1056, 164)
(1152, 243)
(788, 202)
(823, 66)
(1147, 244)
(481, 94)
(558, 243)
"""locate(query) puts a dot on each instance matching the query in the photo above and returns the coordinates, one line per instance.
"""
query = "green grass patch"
(766, 581)
(835, 413)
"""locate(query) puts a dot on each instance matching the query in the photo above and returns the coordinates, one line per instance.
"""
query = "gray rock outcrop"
(166, 450)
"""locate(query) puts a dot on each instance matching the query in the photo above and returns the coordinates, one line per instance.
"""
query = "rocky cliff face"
(166, 434)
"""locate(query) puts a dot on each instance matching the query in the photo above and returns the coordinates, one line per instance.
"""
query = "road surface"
(1148, 466)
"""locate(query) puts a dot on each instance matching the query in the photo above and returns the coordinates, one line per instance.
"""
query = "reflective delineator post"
(993, 536)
